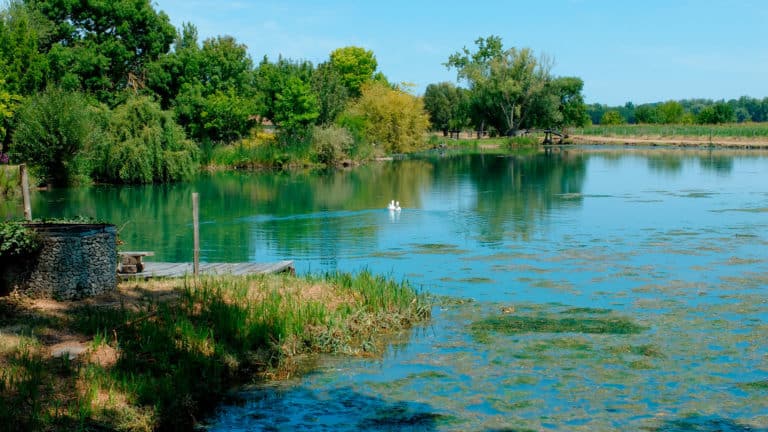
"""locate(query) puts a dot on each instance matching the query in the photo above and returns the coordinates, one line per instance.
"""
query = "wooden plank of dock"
(163, 269)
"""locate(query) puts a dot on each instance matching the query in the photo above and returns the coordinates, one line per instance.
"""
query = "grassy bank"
(735, 130)
(161, 354)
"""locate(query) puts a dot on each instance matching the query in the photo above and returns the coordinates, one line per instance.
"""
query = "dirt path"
(730, 142)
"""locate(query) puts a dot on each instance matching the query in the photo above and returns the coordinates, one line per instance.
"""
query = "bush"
(331, 144)
(54, 128)
(17, 240)
(144, 145)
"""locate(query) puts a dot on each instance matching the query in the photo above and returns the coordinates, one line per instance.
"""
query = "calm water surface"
(674, 242)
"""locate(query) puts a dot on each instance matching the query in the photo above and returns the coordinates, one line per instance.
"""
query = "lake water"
(672, 243)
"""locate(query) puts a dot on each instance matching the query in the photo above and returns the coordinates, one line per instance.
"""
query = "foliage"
(17, 240)
(355, 65)
(54, 129)
(210, 87)
(144, 145)
(24, 32)
(332, 94)
(102, 47)
(511, 89)
(296, 107)
(331, 144)
(447, 106)
(394, 119)
(716, 114)
(670, 112)
(271, 78)
(8, 105)
(612, 118)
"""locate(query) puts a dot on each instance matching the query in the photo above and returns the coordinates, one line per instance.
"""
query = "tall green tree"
(504, 83)
(210, 87)
(103, 46)
(24, 34)
(447, 106)
(296, 107)
(332, 94)
(356, 65)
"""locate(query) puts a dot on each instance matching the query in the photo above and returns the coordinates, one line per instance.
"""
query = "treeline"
(112, 92)
(507, 90)
(687, 111)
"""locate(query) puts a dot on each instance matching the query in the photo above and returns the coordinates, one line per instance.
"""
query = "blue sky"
(639, 50)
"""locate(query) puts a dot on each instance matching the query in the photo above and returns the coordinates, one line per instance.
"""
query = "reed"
(178, 355)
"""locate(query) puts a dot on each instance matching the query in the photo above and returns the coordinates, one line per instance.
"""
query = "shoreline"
(682, 141)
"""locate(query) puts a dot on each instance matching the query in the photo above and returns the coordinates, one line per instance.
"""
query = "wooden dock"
(161, 269)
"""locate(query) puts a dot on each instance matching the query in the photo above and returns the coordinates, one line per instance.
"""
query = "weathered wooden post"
(196, 225)
(24, 180)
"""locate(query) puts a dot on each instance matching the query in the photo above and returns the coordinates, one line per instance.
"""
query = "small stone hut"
(76, 261)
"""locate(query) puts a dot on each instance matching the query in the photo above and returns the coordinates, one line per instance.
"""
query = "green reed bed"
(175, 356)
(737, 130)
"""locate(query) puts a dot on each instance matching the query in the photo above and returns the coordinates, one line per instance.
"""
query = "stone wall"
(76, 261)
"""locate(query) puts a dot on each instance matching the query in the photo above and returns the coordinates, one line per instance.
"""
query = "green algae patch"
(586, 310)
(388, 254)
(437, 248)
(644, 350)
(753, 386)
(551, 324)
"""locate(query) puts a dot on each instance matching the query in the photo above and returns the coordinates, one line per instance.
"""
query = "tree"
(612, 117)
(646, 114)
(144, 145)
(670, 112)
(211, 88)
(54, 130)
(394, 119)
(9, 103)
(296, 107)
(573, 110)
(446, 105)
(355, 65)
(504, 83)
(718, 113)
(332, 94)
(104, 46)
(24, 32)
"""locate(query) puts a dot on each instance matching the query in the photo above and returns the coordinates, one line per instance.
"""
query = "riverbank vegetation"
(117, 95)
(161, 354)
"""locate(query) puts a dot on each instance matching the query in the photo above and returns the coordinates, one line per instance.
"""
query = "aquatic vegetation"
(511, 324)
(437, 248)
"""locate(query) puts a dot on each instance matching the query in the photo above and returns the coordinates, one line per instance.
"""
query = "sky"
(638, 51)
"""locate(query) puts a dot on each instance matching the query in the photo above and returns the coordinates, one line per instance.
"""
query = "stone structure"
(76, 261)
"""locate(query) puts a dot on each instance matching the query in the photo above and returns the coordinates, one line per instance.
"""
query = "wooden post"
(196, 224)
(24, 179)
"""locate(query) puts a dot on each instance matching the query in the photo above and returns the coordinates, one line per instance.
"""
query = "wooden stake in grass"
(24, 179)
(196, 224)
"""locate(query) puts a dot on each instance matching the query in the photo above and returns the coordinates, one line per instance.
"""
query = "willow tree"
(503, 83)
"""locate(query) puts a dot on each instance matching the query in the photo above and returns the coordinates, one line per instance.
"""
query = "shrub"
(331, 144)
(54, 128)
(144, 145)
(17, 240)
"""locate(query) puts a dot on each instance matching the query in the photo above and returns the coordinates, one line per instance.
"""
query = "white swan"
(391, 205)
(397, 206)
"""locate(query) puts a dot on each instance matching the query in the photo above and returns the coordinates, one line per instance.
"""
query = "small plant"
(4, 159)
(17, 240)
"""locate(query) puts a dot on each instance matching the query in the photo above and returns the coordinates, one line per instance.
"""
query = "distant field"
(735, 130)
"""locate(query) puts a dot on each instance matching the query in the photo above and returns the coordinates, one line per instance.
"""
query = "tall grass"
(177, 358)
(739, 130)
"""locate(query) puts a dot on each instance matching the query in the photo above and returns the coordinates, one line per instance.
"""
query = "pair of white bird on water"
(394, 206)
